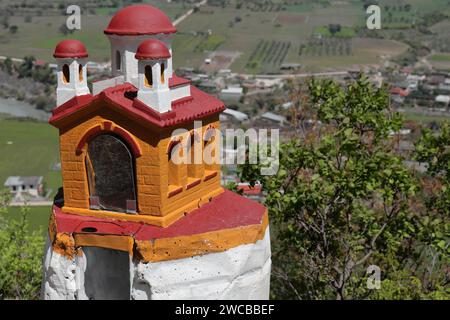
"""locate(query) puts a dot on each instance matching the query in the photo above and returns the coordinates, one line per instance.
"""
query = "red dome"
(70, 49)
(152, 49)
(140, 20)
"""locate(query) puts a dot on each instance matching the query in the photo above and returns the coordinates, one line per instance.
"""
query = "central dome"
(140, 20)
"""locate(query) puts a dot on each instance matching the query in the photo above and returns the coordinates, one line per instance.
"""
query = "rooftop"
(22, 181)
(140, 20)
(123, 98)
(70, 49)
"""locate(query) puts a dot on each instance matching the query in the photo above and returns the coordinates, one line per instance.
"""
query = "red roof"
(123, 99)
(140, 20)
(152, 49)
(226, 211)
(250, 191)
(399, 91)
(70, 49)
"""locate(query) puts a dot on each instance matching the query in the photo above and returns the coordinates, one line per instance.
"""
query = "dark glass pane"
(110, 169)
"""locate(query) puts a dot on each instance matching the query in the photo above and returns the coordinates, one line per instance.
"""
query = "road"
(296, 75)
(187, 14)
(31, 204)
(13, 59)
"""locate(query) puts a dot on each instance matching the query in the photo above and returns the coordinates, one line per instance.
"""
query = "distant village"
(262, 101)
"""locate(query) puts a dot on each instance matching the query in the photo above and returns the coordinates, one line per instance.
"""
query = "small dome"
(140, 20)
(70, 49)
(152, 49)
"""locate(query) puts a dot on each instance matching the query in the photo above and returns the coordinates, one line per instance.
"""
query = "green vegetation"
(421, 118)
(343, 200)
(210, 43)
(236, 26)
(29, 148)
(21, 255)
(268, 56)
(37, 217)
(335, 31)
(440, 57)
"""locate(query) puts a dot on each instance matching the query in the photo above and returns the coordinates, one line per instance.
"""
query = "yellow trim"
(164, 249)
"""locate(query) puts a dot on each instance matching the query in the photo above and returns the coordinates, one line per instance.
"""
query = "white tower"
(127, 29)
(153, 75)
(72, 76)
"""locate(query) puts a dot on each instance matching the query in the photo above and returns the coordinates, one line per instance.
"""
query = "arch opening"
(80, 73)
(118, 61)
(163, 69)
(148, 76)
(110, 168)
(66, 73)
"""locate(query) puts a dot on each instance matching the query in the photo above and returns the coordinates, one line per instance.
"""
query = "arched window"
(163, 68)
(111, 174)
(80, 73)
(210, 151)
(175, 153)
(118, 61)
(66, 73)
(193, 167)
(148, 76)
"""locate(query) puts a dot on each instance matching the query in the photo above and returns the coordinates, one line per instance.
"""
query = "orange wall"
(151, 168)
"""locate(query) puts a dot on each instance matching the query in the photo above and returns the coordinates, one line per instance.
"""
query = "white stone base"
(238, 273)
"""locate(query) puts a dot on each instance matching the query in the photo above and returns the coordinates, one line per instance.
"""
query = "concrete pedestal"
(242, 272)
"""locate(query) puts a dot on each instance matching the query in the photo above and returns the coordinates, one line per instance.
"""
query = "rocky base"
(242, 272)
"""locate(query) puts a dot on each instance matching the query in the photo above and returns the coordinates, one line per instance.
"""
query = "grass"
(440, 57)
(37, 217)
(39, 37)
(33, 151)
(210, 43)
(295, 25)
(424, 118)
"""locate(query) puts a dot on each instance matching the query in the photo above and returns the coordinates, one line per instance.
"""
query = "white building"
(442, 100)
(22, 187)
(274, 118)
(236, 115)
(232, 93)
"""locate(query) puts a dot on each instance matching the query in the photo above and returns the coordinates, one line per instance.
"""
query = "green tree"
(434, 227)
(20, 256)
(13, 29)
(8, 66)
(340, 200)
(26, 67)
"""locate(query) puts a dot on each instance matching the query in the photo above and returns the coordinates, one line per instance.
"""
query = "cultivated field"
(270, 37)
(29, 148)
(262, 35)
(38, 29)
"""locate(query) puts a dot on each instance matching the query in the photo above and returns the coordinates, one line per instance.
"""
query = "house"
(442, 101)
(143, 212)
(397, 91)
(414, 81)
(445, 86)
(272, 117)
(22, 187)
(236, 115)
(232, 93)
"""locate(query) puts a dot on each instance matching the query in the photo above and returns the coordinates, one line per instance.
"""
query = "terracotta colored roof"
(140, 20)
(226, 211)
(123, 99)
(399, 91)
(256, 190)
(70, 49)
(152, 49)
(176, 81)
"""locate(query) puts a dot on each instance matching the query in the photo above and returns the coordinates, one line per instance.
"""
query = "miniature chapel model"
(130, 223)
